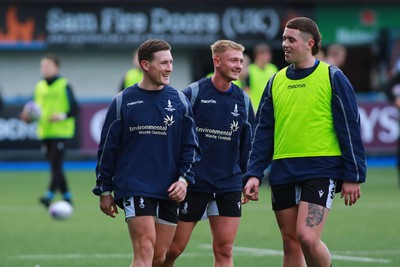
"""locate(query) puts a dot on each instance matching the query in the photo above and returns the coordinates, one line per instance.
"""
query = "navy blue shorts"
(317, 191)
(199, 206)
(165, 211)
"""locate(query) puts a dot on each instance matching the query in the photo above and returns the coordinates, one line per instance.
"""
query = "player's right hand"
(108, 206)
(250, 190)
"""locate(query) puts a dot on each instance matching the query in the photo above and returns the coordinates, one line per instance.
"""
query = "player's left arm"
(346, 119)
(246, 138)
(190, 149)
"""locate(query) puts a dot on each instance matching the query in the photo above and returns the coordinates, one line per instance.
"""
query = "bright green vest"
(53, 99)
(258, 79)
(303, 115)
(133, 76)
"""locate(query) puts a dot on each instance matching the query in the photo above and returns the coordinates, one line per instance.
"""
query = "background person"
(308, 128)
(133, 75)
(259, 72)
(224, 119)
(336, 55)
(54, 95)
(147, 152)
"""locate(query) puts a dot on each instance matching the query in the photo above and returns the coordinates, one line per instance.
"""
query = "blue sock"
(67, 195)
(49, 195)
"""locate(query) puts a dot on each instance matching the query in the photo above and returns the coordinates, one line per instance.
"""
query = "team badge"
(169, 106)
(235, 111)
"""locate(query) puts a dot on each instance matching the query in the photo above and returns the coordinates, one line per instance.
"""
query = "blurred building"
(95, 40)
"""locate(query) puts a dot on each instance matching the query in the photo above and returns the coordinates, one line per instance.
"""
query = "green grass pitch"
(364, 235)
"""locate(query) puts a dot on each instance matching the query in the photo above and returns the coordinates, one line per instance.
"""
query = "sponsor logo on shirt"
(169, 120)
(135, 103)
(169, 106)
(295, 86)
(215, 134)
(234, 126)
(208, 101)
(152, 129)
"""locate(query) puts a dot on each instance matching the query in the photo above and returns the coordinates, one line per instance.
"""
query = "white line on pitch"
(96, 255)
(254, 251)
(258, 251)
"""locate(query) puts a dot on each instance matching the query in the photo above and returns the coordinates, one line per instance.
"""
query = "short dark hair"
(148, 48)
(54, 58)
(307, 25)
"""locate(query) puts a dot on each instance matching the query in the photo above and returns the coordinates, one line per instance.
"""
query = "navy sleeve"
(346, 119)
(187, 92)
(73, 104)
(245, 139)
(262, 147)
(190, 149)
(107, 154)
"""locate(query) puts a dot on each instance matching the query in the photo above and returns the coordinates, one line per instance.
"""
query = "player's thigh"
(224, 229)
(182, 234)
(142, 230)
(286, 220)
(315, 201)
(164, 236)
(311, 220)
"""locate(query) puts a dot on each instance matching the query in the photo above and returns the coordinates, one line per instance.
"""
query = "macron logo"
(135, 103)
(208, 101)
(294, 86)
(321, 193)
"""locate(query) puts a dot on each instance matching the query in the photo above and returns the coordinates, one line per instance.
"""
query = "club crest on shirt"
(169, 106)
(235, 111)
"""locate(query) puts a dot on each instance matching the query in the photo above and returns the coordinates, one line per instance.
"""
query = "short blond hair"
(222, 46)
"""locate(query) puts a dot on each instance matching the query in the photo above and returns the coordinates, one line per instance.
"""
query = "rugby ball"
(61, 210)
(32, 111)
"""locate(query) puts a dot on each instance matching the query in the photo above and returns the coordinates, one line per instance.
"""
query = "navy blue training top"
(224, 122)
(146, 144)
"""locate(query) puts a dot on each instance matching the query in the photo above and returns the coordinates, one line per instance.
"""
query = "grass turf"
(366, 234)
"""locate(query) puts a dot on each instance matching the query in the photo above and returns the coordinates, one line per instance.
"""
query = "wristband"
(63, 116)
(105, 193)
(183, 180)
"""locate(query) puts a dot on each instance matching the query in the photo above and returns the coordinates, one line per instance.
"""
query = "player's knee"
(307, 241)
(175, 251)
(223, 251)
(158, 260)
(291, 245)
